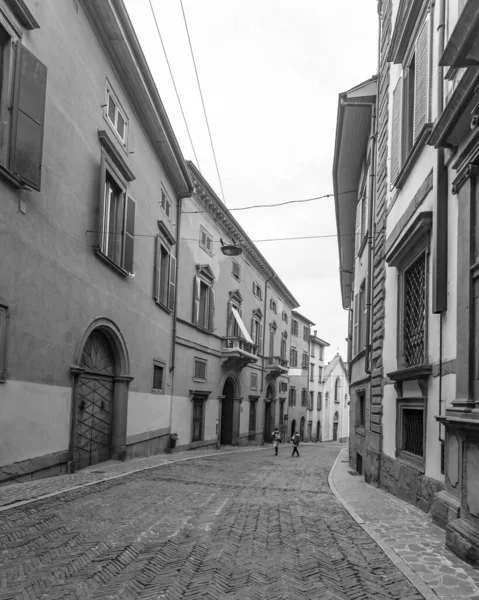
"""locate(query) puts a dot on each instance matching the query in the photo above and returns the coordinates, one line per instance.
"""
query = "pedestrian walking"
(295, 440)
(276, 440)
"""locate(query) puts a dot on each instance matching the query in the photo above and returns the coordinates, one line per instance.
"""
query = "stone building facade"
(317, 348)
(335, 406)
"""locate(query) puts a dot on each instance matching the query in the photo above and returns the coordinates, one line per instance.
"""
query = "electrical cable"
(174, 84)
(202, 101)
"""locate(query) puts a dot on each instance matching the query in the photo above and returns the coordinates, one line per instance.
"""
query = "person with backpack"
(295, 441)
(276, 440)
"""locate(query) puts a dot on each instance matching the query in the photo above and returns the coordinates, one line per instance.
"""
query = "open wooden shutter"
(260, 349)
(157, 274)
(356, 325)
(129, 235)
(28, 118)
(211, 315)
(229, 321)
(196, 300)
(421, 80)
(357, 238)
(396, 132)
(172, 283)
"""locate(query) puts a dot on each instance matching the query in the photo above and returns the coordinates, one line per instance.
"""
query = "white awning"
(241, 325)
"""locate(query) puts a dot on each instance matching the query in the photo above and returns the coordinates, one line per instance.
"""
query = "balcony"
(276, 366)
(236, 352)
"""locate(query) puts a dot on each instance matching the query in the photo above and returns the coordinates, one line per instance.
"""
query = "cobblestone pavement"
(409, 533)
(237, 525)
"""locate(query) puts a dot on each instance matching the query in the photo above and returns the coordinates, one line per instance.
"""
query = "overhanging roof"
(302, 317)
(352, 133)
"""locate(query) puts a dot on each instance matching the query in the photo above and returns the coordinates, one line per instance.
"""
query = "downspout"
(440, 280)
(371, 203)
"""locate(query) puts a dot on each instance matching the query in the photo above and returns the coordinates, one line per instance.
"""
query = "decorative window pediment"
(235, 296)
(206, 273)
(285, 335)
(406, 20)
(115, 156)
(398, 249)
(166, 233)
(273, 326)
(23, 14)
(257, 313)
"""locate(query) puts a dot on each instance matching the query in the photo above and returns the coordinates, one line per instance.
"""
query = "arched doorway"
(227, 412)
(268, 414)
(335, 426)
(301, 429)
(293, 426)
(94, 402)
(318, 431)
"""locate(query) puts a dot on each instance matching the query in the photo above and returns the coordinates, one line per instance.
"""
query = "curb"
(398, 562)
(113, 477)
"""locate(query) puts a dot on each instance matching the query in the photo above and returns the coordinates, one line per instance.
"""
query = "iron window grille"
(414, 320)
(413, 431)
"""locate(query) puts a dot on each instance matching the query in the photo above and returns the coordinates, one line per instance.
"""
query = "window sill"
(411, 460)
(412, 156)
(410, 373)
(15, 181)
(360, 430)
(199, 380)
(163, 307)
(158, 392)
(103, 257)
(357, 356)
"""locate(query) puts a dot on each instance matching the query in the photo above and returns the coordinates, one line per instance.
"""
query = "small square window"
(200, 369)
(116, 116)
(273, 306)
(236, 270)
(158, 375)
(165, 204)
(284, 316)
(257, 291)
(206, 241)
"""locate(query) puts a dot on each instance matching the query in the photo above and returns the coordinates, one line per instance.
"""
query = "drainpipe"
(440, 250)
(175, 305)
(371, 203)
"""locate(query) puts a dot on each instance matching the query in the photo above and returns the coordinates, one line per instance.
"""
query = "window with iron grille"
(303, 396)
(200, 369)
(414, 313)
(413, 431)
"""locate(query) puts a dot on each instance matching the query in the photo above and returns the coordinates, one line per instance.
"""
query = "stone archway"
(100, 396)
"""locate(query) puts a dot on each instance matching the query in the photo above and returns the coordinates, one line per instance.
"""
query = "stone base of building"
(407, 483)
(39, 467)
(148, 443)
(445, 508)
(462, 538)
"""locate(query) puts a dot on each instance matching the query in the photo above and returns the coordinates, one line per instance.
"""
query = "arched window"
(337, 389)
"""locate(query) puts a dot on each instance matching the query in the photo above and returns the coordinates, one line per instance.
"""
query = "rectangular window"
(413, 431)
(292, 396)
(257, 332)
(165, 274)
(304, 393)
(165, 204)
(312, 350)
(158, 377)
(361, 411)
(283, 387)
(254, 381)
(311, 377)
(206, 241)
(320, 374)
(319, 401)
(284, 316)
(200, 369)
(305, 333)
(257, 291)
(293, 357)
(273, 306)
(305, 360)
(294, 327)
(321, 353)
(116, 116)
(362, 316)
(252, 415)
(414, 313)
(3, 342)
(23, 82)
(283, 347)
(236, 270)
(311, 401)
(198, 419)
(204, 299)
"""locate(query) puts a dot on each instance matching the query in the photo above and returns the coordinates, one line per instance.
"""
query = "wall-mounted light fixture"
(230, 249)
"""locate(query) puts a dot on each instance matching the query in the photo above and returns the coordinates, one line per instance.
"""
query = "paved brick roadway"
(247, 525)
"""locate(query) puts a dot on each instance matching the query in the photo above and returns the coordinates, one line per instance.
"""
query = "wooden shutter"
(357, 238)
(129, 235)
(356, 325)
(260, 348)
(211, 314)
(271, 343)
(172, 283)
(196, 300)
(229, 320)
(157, 274)
(396, 132)
(363, 317)
(421, 80)
(28, 118)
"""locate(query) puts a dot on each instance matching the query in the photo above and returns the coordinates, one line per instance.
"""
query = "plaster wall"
(147, 412)
(35, 420)
(389, 421)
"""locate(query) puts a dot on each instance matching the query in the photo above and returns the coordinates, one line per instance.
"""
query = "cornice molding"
(467, 172)
(166, 233)
(108, 144)
(22, 14)
(406, 19)
(461, 49)
(397, 249)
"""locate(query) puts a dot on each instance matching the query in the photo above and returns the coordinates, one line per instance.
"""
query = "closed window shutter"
(396, 131)
(356, 325)
(260, 349)
(129, 235)
(157, 275)
(421, 80)
(363, 317)
(211, 315)
(172, 283)
(196, 300)
(357, 239)
(229, 322)
(28, 118)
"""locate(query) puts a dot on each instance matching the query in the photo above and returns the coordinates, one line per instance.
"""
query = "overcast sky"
(270, 72)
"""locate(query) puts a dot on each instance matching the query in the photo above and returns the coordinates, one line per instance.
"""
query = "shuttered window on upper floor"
(23, 83)
(410, 102)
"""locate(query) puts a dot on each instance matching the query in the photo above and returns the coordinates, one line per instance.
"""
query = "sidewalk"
(407, 536)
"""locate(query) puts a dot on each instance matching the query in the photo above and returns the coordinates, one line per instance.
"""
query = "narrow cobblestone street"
(245, 525)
